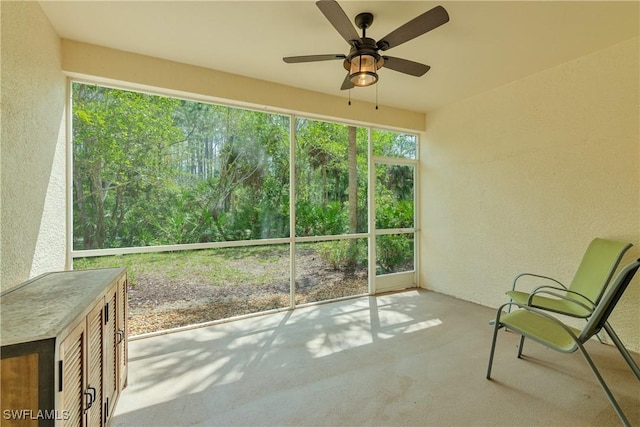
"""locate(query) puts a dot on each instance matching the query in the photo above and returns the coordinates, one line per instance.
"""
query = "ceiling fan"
(363, 60)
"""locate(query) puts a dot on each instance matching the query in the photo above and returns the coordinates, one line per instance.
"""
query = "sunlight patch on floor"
(328, 344)
(391, 331)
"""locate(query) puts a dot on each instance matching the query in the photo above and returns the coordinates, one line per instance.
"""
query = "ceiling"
(483, 46)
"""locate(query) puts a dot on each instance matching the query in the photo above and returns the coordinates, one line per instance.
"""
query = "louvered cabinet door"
(71, 382)
(95, 366)
(111, 352)
(122, 312)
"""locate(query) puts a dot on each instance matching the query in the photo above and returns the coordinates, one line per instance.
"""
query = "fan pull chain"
(349, 96)
(376, 97)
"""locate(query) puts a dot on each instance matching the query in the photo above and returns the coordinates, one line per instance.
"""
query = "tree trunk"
(96, 193)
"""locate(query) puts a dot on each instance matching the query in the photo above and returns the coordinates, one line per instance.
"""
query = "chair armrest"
(547, 290)
(513, 288)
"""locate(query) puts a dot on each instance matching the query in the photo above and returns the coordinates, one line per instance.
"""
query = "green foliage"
(151, 170)
(394, 214)
(393, 250)
(322, 178)
(344, 255)
(120, 141)
(319, 220)
(394, 144)
(394, 196)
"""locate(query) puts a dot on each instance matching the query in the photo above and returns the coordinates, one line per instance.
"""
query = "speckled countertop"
(42, 307)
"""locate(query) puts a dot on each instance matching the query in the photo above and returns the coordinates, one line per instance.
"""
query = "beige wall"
(32, 196)
(144, 72)
(521, 178)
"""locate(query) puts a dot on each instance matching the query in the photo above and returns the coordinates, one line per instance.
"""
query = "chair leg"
(612, 400)
(520, 345)
(496, 327)
(632, 364)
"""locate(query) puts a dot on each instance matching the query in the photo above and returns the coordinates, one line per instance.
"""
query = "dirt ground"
(158, 302)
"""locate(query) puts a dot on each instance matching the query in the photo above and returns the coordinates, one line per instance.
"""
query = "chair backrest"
(597, 267)
(609, 301)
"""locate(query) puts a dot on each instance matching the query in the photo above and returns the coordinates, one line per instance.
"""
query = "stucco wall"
(32, 165)
(523, 177)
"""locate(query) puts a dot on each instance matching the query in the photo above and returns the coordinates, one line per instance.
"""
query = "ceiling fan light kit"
(362, 70)
(363, 61)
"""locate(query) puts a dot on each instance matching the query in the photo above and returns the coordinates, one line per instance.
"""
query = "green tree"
(120, 145)
(331, 178)
(154, 170)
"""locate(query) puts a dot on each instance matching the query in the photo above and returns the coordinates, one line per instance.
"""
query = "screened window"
(394, 144)
(193, 199)
(151, 170)
(331, 178)
(394, 196)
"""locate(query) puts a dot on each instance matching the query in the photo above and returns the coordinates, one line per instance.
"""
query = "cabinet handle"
(120, 334)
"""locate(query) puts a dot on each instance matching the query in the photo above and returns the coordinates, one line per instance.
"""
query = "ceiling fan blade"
(312, 58)
(347, 83)
(405, 66)
(416, 27)
(340, 21)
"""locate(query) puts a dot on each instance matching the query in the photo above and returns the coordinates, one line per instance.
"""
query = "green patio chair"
(594, 273)
(539, 325)
(587, 287)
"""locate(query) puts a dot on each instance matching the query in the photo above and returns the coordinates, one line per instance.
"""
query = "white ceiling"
(483, 46)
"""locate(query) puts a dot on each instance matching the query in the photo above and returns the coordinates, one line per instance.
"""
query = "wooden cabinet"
(115, 350)
(73, 350)
(64, 348)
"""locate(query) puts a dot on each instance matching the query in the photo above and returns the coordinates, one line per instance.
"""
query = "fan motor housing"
(367, 46)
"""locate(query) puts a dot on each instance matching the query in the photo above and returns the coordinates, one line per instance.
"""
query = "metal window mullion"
(292, 211)
(416, 214)
(69, 177)
(326, 238)
(372, 214)
(387, 231)
(382, 160)
(178, 247)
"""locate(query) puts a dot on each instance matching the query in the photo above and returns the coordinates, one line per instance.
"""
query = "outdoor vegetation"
(151, 170)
